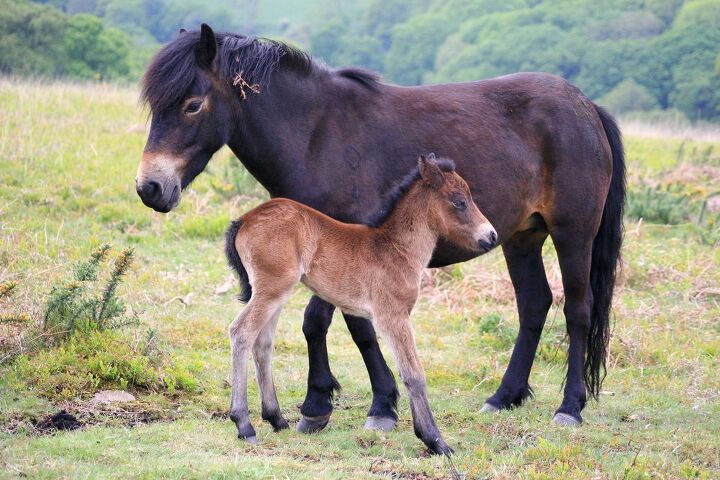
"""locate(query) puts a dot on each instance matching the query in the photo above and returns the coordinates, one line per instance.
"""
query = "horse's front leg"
(398, 332)
(317, 407)
(382, 414)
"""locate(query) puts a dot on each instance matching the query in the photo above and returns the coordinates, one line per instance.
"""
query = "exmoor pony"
(370, 272)
(541, 160)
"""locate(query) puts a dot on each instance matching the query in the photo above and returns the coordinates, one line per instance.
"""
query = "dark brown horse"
(540, 158)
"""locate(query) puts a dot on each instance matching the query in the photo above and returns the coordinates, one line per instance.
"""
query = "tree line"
(633, 55)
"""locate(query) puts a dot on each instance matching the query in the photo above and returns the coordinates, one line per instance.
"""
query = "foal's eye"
(193, 107)
(459, 204)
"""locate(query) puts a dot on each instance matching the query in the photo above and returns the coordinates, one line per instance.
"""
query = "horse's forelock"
(173, 71)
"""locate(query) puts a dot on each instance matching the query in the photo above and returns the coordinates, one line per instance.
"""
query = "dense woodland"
(655, 57)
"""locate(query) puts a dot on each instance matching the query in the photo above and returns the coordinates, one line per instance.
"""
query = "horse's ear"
(206, 49)
(429, 171)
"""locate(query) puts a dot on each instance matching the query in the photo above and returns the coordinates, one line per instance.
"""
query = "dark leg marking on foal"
(523, 254)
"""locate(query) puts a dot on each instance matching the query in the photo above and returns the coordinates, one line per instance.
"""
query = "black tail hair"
(605, 258)
(235, 262)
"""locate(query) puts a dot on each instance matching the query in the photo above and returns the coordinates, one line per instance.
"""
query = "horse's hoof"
(280, 425)
(487, 408)
(312, 424)
(566, 419)
(385, 424)
(252, 440)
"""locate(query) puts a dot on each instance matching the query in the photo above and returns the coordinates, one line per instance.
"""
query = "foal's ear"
(206, 49)
(430, 172)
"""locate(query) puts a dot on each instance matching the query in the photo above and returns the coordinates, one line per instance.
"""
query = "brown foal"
(372, 272)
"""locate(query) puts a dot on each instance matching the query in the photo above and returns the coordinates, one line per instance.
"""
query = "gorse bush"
(665, 204)
(77, 347)
(77, 305)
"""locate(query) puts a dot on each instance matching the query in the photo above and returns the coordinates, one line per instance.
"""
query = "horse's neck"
(408, 228)
(274, 132)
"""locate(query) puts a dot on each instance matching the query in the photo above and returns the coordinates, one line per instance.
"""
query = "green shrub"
(95, 360)
(77, 305)
(665, 204)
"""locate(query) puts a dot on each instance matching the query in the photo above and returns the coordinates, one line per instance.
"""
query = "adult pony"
(540, 159)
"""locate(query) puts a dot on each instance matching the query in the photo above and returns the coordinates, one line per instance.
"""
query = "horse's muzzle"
(155, 196)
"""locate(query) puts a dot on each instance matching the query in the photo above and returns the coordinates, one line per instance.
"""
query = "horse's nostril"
(154, 188)
(493, 237)
(149, 191)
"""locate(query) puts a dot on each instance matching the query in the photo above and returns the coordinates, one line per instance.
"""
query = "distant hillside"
(654, 58)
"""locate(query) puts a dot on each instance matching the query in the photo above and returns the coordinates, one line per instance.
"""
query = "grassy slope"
(67, 163)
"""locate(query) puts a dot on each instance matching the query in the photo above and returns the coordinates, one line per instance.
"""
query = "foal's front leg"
(398, 332)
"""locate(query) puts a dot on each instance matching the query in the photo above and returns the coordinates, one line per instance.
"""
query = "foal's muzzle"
(488, 240)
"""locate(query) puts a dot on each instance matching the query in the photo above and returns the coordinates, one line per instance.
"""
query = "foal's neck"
(408, 227)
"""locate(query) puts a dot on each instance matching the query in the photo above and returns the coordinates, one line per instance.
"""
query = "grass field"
(68, 156)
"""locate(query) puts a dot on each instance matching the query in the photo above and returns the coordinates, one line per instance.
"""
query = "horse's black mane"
(173, 71)
(393, 196)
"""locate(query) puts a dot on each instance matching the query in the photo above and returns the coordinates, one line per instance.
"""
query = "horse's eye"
(459, 204)
(193, 107)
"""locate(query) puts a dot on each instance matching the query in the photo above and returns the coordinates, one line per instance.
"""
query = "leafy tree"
(91, 50)
(628, 96)
(29, 36)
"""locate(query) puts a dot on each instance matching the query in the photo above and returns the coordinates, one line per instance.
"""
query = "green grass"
(68, 156)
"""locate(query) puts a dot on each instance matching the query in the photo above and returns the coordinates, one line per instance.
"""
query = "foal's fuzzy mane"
(398, 191)
(173, 71)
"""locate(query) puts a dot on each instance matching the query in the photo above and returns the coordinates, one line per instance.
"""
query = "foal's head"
(452, 212)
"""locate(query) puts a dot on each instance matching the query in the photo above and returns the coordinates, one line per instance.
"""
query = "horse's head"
(192, 117)
(453, 213)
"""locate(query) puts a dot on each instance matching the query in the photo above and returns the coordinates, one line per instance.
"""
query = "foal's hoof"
(565, 419)
(312, 424)
(488, 408)
(252, 439)
(385, 424)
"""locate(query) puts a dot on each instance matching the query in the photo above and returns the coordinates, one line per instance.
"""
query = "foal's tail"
(605, 257)
(235, 262)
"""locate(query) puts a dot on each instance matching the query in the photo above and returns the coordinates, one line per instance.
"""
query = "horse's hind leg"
(262, 353)
(574, 255)
(523, 254)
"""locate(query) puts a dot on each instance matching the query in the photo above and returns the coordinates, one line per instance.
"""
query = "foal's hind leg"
(523, 254)
(244, 330)
(262, 353)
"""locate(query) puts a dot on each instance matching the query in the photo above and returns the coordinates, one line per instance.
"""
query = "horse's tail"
(235, 262)
(605, 258)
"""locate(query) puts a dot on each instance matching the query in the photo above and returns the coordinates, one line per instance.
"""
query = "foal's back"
(282, 242)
